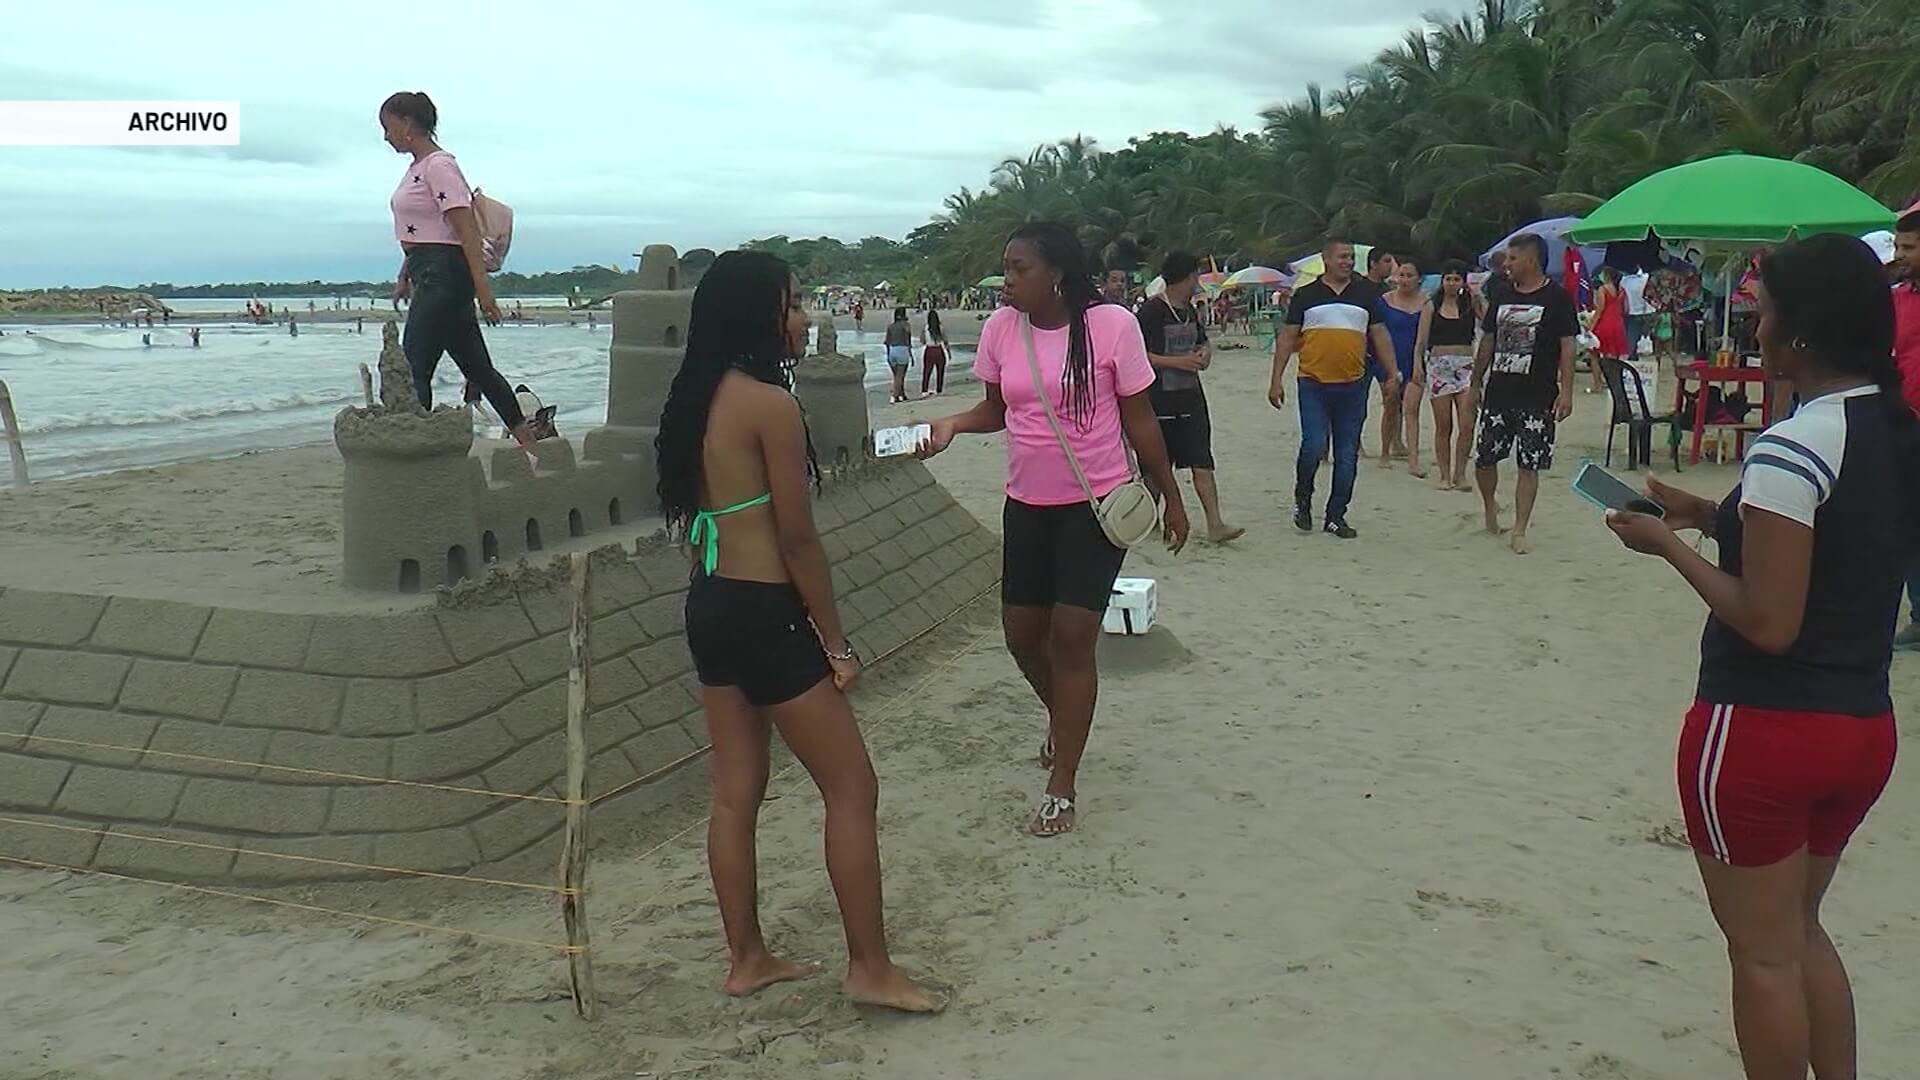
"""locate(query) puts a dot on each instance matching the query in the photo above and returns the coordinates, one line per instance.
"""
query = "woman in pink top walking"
(1058, 567)
(443, 272)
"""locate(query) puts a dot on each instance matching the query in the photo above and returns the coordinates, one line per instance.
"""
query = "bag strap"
(1046, 402)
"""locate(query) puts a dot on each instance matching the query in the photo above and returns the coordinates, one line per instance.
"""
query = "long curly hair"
(1060, 249)
(738, 324)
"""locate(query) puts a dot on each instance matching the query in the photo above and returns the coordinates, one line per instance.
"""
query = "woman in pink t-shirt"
(443, 272)
(1058, 567)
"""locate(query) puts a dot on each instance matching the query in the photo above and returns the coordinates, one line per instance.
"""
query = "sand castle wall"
(470, 693)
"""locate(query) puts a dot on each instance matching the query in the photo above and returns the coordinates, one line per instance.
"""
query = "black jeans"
(441, 319)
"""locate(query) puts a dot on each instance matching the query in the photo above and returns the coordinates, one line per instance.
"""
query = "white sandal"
(1051, 807)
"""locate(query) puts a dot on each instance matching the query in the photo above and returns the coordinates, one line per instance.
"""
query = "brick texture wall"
(470, 694)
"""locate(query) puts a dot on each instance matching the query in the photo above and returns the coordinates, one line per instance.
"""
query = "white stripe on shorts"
(1713, 754)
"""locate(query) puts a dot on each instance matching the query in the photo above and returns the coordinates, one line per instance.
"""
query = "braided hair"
(1830, 297)
(1060, 249)
(738, 324)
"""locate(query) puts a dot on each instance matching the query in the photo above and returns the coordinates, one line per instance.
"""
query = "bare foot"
(891, 990)
(1444, 483)
(1386, 461)
(1054, 818)
(1417, 469)
(754, 974)
(1464, 485)
(1518, 542)
(1225, 534)
(1493, 521)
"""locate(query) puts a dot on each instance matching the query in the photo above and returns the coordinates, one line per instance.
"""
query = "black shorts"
(754, 636)
(1521, 431)
(1189, 436)
(1056, 555)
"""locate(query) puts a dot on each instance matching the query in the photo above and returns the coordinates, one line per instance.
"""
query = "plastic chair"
(1626, 388)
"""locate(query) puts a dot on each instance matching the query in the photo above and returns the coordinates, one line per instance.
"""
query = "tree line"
(1466, 128)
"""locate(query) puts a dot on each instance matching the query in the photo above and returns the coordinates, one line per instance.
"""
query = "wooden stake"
(11, 425)
(573, 848)
(366, 385)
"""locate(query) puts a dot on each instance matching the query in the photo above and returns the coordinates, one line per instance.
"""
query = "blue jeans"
(1336, 411)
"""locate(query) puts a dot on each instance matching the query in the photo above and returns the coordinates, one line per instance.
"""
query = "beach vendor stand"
(1727, 206)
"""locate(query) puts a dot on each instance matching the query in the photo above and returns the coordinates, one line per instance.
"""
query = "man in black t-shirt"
(1178, 349)
(1523, 371)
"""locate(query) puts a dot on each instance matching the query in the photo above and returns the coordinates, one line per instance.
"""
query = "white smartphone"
(896, 441)
(1609, 492)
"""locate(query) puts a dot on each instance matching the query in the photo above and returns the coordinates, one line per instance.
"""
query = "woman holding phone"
(1791, 737)
(1058, 567)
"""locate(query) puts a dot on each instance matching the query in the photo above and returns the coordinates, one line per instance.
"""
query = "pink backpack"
(495, 220)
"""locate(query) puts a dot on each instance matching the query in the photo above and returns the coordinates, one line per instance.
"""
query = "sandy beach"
(1399, 807)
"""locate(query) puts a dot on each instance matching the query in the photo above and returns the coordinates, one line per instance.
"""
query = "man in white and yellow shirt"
(1329, 324)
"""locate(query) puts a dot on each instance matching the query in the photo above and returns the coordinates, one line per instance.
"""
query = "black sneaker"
(1340, 529)
(1303, 517)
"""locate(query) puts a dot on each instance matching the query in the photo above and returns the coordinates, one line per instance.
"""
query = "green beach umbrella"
(1736, 198)
(991, 281)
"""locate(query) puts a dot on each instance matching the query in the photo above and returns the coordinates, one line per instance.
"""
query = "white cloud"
(615, 125)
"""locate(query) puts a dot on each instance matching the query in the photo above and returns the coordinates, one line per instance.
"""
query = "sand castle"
(259, 733)
(832, 390)
(423, 511)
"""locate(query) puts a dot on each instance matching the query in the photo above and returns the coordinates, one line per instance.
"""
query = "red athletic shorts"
(1757, 785)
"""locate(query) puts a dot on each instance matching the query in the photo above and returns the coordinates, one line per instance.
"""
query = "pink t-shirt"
(1037, 469)
(429, 188)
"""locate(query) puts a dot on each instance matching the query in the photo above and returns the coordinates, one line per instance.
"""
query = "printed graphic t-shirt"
(1037, 469)
(1527, 329)
(1334, 329)
(1168, 332)
(430, 187)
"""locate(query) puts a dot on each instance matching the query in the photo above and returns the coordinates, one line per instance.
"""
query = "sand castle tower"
(649, 340)
(408, 518)
(833, 394)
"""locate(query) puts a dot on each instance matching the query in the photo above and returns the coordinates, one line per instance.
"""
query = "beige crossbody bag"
(1128, 514)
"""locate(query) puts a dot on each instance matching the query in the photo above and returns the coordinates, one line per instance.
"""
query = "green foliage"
(1465, 129)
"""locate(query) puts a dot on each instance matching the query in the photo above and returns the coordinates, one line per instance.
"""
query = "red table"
(1705, 374)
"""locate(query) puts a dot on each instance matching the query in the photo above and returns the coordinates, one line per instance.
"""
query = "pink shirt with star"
(429, 188)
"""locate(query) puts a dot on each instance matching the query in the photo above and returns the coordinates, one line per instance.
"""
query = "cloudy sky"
(696, 123)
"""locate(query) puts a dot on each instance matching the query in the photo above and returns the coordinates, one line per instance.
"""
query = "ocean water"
(94, 399)
(237, 305)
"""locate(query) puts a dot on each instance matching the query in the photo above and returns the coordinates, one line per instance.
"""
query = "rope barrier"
(479, 935)
(291, 857)
(884, 714)
(288, 768)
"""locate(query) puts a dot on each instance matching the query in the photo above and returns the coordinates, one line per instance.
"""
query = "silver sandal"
(1051, 807)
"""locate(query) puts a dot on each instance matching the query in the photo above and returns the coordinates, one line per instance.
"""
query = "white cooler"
(1133, 607)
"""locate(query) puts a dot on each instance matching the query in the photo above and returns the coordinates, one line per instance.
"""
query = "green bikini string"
(706, 529)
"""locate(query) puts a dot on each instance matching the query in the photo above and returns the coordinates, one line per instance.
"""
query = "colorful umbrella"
(1257, 275)
(1740, 198)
